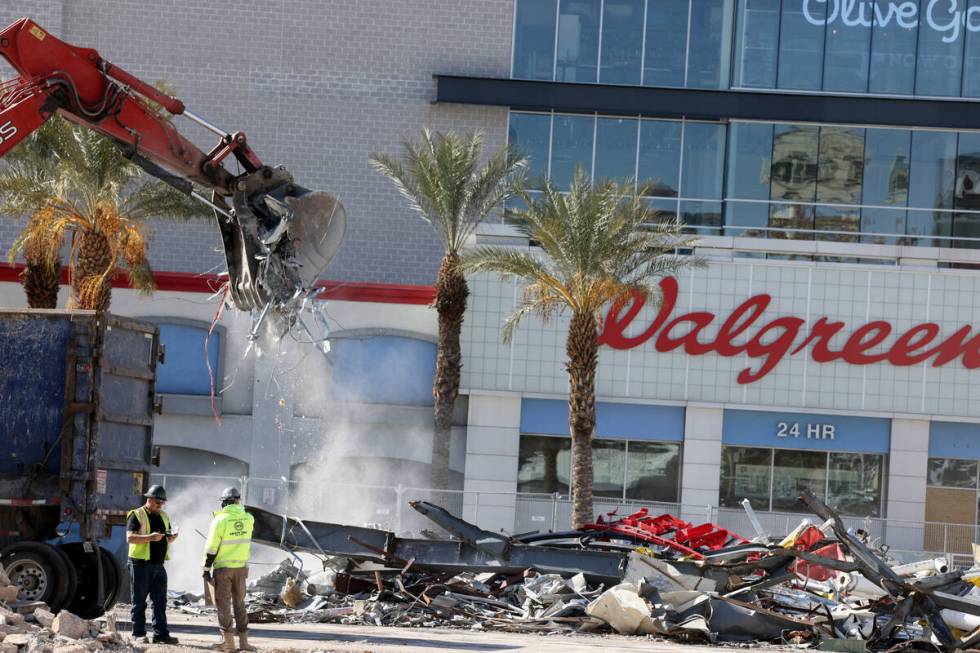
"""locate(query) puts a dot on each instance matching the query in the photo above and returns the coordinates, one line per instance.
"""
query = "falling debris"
(820, 586)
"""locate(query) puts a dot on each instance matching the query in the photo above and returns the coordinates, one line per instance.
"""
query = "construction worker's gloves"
(206, 575)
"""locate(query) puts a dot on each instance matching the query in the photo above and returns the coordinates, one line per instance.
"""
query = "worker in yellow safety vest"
(226, 552)
(149, 536)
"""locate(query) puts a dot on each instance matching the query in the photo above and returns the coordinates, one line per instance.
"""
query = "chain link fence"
(388, 507)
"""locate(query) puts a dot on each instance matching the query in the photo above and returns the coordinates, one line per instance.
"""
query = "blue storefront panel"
(791, 430)
(613, 420)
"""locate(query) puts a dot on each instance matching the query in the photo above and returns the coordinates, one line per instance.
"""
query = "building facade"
(827, 153)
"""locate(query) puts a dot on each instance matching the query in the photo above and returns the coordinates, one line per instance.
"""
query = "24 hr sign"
(745, 332)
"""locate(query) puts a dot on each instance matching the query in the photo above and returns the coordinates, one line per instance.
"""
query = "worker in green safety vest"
(149, 536)
(226, 552)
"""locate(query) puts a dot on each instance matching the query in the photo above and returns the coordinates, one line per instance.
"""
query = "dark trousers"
(148, 580)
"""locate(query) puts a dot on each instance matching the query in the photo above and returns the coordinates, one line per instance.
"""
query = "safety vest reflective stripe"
(142, 551)
(233, 542)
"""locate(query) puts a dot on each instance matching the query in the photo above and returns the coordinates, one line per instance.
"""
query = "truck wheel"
(39, 571)
(71, 577)
(86, 600)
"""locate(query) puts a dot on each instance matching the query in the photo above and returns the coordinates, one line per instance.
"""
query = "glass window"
(756, 43)
(950, 472)
(939, 58)
(578, 40)
(544, 464)
(704, 160)
(801, 45)
(855, 483)
(966, 193)
(571, 147)
(622, 41)
(841, 220)
(749, 163)
(882, 221)
(796, 471)
(886, 167)
(666, 45)
(709, 52)
(841, 165)
(745, 474)
(845, 66)
(967, 226)
(660, 156)
(933, 169)
(662, 210)
(615, 148)
(893, 55)
(971, 51)
(653, 471)
(702, 217)
(530, 134)
(609, 468)
(794, 163)
(791, 221)
(534, 39)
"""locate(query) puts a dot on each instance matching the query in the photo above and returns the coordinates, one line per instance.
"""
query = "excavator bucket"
(278, 238)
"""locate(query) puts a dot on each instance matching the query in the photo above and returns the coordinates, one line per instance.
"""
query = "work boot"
(165, 639)
(227, 643)
(243, 642)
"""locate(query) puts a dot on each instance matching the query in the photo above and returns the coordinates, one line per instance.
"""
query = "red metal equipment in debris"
(668, 531)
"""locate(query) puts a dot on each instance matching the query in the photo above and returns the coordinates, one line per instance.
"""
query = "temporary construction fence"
(386, 506)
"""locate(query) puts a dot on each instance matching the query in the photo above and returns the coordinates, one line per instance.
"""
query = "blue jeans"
(148, 580)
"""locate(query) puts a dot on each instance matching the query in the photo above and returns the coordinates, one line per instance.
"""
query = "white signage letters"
(942, 16)
(809, 431)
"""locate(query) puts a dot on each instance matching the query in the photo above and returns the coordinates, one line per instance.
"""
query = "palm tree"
(444, 182)
(601, 244)
(85, 185)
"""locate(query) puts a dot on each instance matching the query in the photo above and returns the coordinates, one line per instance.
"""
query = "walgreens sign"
(944, 16)
(745, 332)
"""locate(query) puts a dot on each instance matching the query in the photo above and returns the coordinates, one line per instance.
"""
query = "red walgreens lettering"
(773, 341)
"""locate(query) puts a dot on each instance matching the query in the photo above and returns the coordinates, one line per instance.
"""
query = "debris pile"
(821, 585)
(30, 626)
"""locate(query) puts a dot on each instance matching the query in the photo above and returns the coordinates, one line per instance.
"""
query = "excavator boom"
(277, 235)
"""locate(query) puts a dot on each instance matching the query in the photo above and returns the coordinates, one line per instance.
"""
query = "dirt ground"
(197, 633)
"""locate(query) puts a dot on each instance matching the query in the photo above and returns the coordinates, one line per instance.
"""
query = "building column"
(701, 471)
(907, 469)
(493, 434)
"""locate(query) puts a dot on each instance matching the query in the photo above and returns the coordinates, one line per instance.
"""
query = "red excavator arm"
(277, 235)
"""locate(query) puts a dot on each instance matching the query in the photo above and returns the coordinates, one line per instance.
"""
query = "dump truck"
(77, 398)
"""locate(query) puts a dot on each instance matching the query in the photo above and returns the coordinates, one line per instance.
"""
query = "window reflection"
(666, 43)
(838, 220)
(534, 39)
(841, 165)
(893, 57)
(608, 467)
(794, 162)
(847, 51)
(882, 221)
(855, 483)
(578, 41)
(653, 471)
(702, 217)
(886, 167)
(530, 133)
(660, 156)
(704, 160)
(622, 41)
(933, 169)
(796, 471)
(971, 58)
(745, 474)
(952, 472)
(544, 464)
(710, 44)
(801, 46)
(939, 58)
(571, 148)
(756, 42)
(791, 221)
(615, 149)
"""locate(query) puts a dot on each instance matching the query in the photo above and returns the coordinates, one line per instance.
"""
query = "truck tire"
(85, 603)
(40, 571)
(70, 575)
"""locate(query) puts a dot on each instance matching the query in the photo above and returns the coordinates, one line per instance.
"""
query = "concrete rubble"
(821, 586)
(30, 627)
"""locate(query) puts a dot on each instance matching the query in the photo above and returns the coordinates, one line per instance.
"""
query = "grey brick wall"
(317, 86)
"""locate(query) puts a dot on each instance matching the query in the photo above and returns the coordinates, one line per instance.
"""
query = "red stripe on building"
(352, 291)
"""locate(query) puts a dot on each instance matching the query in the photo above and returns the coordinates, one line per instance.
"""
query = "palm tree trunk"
(450, 303)
(91, 279)
(583, 358)
(41, 280)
